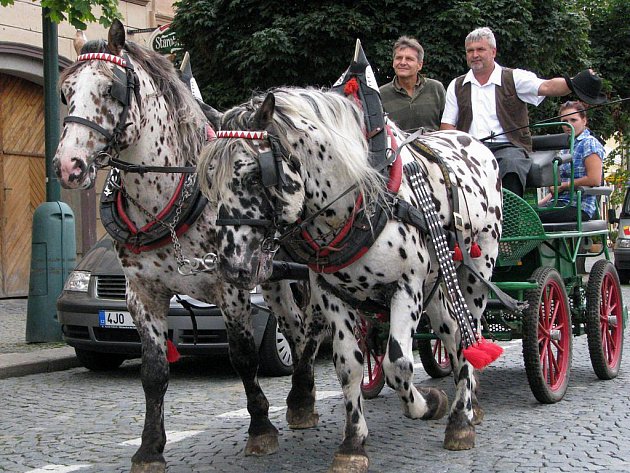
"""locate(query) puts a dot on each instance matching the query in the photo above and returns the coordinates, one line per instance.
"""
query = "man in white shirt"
(491, 101)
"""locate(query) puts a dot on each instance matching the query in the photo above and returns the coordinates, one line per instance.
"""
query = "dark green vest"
(511, 111)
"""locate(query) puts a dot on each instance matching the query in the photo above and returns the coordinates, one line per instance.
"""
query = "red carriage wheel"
(373, 375)
(547, 337)
(604, 319)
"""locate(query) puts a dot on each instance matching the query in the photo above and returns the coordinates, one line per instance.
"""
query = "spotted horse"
(298, 160)
(129, 110)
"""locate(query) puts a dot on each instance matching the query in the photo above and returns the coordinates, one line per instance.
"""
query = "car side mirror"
(612, 216)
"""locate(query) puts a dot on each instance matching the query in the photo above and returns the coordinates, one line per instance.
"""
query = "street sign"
(163, 40)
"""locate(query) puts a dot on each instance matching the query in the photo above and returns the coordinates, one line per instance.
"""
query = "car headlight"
(77, 281)
(623, 242)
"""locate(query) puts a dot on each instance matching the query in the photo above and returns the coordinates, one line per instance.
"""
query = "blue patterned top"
(585, 145)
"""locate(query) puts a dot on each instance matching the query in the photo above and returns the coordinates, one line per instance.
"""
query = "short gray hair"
(408, 42)
(482, 33)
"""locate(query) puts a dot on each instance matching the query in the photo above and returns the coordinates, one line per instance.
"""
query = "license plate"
(115, 319)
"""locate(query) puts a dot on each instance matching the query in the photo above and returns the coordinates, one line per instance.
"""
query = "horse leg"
(263, 436)
(460, 431)
(351, 456)
(149, 315)
(303, 335)
(476, 297)
(422, 403)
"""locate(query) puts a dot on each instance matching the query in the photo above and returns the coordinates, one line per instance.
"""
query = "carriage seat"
(544, 150)
(591, 225)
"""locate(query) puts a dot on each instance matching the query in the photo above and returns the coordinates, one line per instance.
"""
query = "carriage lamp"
(78, 281)
(623, 243)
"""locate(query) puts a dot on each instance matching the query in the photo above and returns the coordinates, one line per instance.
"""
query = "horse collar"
(180, 213)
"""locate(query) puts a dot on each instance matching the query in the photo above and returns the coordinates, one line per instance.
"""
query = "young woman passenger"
(588, 157)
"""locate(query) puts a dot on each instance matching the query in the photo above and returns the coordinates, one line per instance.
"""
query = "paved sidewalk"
(18, 358)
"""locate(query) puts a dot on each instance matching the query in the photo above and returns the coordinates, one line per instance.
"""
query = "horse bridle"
(272, 176)
(125, 86)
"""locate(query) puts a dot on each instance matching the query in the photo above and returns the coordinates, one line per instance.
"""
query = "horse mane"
(316, 116)
(187, 115)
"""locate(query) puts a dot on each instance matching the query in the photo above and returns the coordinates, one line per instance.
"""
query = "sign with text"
(163, 40)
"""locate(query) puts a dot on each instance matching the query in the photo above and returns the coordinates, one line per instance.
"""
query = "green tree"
(610, 38)
(78, 12)
(241, 45)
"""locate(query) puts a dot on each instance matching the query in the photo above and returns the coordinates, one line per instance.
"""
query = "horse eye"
(252, 180)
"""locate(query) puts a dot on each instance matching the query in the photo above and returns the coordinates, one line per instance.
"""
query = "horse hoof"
(349, 464)
(302, 419)
(478, 414)
(462, 438)
(260, 445)
(437, 403)
(152, 467)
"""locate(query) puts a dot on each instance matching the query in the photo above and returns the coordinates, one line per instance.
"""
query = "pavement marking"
(59, 468)
(243, 414)
(171, 437)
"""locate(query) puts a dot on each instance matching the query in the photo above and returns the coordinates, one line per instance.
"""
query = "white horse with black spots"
(128, 109)
(320, 151)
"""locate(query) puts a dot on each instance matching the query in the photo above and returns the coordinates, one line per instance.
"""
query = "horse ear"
(264, 114)
(116, 38)
(79, 41)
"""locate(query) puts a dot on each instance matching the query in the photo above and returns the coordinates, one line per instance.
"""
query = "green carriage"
(543, 265)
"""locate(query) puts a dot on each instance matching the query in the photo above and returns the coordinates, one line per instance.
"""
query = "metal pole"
(51, 103)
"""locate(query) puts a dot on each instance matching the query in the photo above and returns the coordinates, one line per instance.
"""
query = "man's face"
(480, 55)
(406, 63)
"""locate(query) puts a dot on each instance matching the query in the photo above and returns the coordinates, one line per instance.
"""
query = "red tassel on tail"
(475, 251)
(482, 353)
(172, 355)
(457, 253)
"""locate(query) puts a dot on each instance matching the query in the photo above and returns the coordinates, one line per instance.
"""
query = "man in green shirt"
(411, 100)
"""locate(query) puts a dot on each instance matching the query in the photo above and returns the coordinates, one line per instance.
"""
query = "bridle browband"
(125, 86)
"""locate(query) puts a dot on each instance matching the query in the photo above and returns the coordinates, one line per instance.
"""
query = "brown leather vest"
(511, 111)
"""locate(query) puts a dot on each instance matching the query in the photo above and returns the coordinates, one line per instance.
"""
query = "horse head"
(250, 174)
(99, 96)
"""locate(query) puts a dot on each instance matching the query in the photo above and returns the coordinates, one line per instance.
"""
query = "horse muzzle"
(75, 173)
(248, 276)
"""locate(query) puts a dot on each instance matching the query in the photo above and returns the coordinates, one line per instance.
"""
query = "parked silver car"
(95, 320)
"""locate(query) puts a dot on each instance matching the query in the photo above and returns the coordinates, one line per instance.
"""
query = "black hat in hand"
(587, 86)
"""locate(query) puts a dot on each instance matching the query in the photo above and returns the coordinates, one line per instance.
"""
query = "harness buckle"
(458, 221)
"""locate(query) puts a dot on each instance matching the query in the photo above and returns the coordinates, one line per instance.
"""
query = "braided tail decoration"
(477, 351)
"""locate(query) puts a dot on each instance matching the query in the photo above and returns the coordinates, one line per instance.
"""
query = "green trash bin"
(53, 257)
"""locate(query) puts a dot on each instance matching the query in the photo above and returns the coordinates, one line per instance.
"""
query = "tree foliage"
(78, 12)
(241, 45)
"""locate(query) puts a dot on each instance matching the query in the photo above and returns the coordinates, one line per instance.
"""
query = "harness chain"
(462, 314)
(185, 266)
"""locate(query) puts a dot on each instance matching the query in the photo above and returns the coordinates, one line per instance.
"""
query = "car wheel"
(275, 351)
(97, 361)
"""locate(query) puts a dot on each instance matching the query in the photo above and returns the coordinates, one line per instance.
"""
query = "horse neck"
(157, 145)
(323, 187)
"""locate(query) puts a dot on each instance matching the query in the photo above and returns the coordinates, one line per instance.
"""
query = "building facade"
(22, 158)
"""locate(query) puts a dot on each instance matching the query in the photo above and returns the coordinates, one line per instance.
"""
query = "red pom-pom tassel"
(482, 353)
(457, 253)
(172, 355)
(351, 87)
(475, 251)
